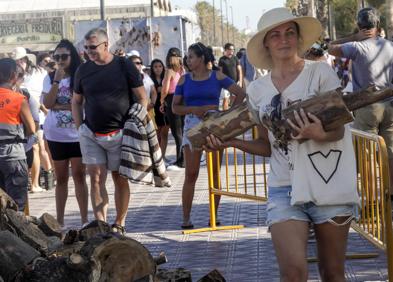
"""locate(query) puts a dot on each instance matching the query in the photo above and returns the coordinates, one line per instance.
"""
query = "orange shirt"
(10, 106)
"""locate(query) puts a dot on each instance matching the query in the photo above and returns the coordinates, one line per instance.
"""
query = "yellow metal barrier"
(245, 167)
(375, 222)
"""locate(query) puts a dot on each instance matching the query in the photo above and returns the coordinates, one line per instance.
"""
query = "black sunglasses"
(275, 114)
(63, 57)
(93, 47)
(138, 63)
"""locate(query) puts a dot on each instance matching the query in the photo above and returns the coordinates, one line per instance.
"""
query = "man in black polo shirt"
(104, 88)
(229, 64)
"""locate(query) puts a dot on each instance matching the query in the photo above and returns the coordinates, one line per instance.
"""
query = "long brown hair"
(174, 60)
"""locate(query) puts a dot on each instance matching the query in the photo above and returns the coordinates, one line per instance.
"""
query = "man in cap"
(372, 64)
(104, 89)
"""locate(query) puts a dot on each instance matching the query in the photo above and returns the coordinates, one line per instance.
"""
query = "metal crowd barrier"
(246, 179)
(375, 211)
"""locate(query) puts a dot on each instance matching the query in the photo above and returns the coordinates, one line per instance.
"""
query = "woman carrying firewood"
(314, 179)
(196, 93)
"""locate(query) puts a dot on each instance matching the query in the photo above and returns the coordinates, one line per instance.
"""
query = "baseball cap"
(174, 52)
(19, 53)
(133, 53)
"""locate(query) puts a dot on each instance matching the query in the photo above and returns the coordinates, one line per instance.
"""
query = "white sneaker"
(173, 168)
(37, 189)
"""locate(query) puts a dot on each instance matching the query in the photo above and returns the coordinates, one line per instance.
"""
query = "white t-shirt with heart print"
(310, 163)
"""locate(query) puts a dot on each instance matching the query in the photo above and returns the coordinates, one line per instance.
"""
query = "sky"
(241, 9)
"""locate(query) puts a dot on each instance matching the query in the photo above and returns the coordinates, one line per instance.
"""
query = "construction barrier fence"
(375, 211)
(244, 176)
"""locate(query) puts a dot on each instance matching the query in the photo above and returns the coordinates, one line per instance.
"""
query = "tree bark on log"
(56, 270)
(94, 228)
(224, 125)
(173, 275)
(30, 233)
(332, 108)
(49, 225)
(118, 258)
(15, 255)
(66, 250)
(6, 202)
(212, 276)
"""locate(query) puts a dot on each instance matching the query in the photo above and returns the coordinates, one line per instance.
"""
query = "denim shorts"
(190, 121)
(279, 209)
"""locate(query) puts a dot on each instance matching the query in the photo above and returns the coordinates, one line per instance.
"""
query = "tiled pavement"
(154, 219)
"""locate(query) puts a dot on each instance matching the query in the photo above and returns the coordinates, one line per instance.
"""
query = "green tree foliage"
(344, 12)
(345, 16)
(208, 24)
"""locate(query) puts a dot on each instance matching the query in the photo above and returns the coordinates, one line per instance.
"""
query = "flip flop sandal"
(117, 228)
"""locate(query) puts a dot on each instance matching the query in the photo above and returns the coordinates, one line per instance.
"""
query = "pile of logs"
(34, 249)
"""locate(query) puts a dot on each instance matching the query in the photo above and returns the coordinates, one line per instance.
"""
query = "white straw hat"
(310, 30)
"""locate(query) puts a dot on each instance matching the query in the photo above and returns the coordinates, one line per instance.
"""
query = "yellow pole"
(211, 186)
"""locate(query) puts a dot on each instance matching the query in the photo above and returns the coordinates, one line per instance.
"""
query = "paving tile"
(155, 216)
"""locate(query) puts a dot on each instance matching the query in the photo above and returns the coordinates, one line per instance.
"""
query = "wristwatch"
(56, 81)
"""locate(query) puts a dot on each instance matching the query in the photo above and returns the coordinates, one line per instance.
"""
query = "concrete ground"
(155, 216)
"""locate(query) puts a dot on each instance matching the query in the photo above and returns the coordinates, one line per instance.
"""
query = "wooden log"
(67, 249)
(213, 276)
(57, 270)
(332, 108)
(15, 255)
(160, 259)
(49, 225)
(117, 258)
(6, 202)
(77, 262)
(30, 233)
(225, 125)
(173, 275)
(93, 229)
(368, 96)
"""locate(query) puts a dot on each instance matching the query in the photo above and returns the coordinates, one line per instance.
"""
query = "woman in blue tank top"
(196, 93)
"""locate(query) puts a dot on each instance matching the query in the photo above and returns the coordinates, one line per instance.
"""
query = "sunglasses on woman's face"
(138, 63)
(62, 57)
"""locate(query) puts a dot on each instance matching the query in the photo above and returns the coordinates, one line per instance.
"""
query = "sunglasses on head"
(62, 57)
(93, 47)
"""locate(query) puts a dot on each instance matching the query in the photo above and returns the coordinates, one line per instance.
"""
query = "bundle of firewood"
(333, 108)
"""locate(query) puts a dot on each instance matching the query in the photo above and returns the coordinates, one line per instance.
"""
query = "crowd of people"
(67, 113)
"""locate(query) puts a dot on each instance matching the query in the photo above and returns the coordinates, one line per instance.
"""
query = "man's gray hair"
(99, 33)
